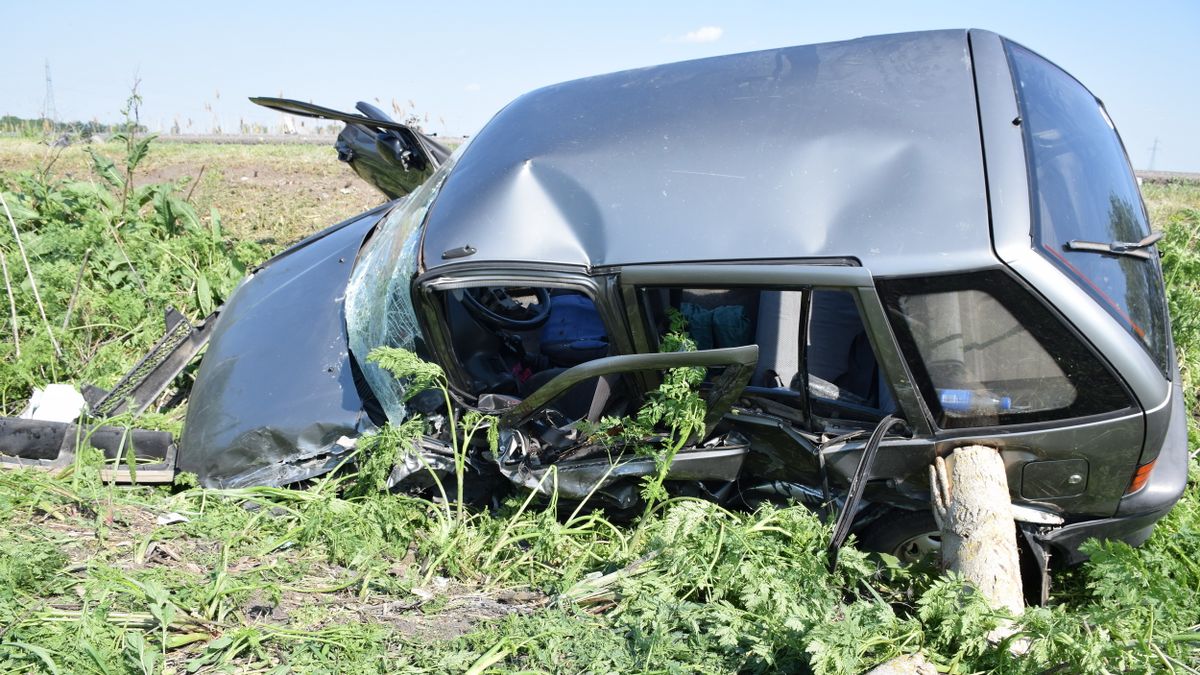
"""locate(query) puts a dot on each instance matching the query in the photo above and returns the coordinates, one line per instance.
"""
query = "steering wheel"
(496, 307)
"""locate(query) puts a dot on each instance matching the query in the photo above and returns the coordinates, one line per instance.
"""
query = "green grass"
(343, 578)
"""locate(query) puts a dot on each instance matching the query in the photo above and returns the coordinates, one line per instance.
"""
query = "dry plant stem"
(32, 280)
(75, 291)
(199, 175)
(53, 152)
(12, 304)
(121, 247)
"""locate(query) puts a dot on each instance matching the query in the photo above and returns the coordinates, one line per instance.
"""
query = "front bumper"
(1137, 513)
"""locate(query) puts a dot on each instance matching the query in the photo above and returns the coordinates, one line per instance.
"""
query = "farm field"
(272, 194)
(339, 577)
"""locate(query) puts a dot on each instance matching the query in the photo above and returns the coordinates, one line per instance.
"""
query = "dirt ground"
(311, 593)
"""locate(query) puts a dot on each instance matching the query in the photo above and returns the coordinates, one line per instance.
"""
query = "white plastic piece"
(171, 518)
(55, 403)
(1026, 514)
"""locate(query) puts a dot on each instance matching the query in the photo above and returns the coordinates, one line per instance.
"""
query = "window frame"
(840, 274)
(429, 304)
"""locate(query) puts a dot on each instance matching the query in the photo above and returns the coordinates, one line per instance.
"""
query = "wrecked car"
(883, 248)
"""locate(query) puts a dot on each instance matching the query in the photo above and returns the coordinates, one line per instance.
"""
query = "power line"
(1153, 153)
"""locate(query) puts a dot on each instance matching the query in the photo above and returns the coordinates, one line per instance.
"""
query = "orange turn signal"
(1140, 477)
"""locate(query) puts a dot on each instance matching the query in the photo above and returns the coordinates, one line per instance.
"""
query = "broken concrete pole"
(979, 541)
(979, 538)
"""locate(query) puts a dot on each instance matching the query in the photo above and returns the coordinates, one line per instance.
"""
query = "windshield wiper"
(1126, 248)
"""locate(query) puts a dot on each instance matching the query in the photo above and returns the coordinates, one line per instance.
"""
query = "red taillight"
(1140, 477)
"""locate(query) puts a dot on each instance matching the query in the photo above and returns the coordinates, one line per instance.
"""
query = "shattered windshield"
(379, 308)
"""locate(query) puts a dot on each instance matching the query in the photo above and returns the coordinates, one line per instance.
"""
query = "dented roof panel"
(868, 148)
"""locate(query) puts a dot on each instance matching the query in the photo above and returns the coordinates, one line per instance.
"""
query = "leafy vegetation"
(104, 257)
(344, 577)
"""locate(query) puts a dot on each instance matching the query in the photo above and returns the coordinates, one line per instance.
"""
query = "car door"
(829, 370)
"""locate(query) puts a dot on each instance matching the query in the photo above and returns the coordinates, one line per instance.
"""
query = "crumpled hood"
(275, 390)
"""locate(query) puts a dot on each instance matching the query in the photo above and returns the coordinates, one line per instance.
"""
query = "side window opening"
(512, 340)
(839, 354)
(985, 352)
(815, 355)
(511, 344)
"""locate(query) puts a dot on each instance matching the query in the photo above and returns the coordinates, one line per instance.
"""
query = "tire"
(911, 536)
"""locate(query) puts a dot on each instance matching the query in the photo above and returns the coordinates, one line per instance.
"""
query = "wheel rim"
(919, 547)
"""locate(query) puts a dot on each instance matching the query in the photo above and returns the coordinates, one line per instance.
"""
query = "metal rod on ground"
(32, 280)
(121, 247)
(12, 304)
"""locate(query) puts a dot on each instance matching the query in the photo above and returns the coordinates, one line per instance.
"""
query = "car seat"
(574, 333)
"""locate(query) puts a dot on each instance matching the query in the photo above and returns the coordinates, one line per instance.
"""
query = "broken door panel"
(738, 363)
(617, 480)
(527, 455)
(393, 157)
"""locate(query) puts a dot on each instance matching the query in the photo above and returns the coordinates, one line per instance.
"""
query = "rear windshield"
(1085, 190)
(984, 351)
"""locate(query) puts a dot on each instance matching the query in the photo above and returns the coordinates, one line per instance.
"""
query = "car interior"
(509, 341)
(816, 331)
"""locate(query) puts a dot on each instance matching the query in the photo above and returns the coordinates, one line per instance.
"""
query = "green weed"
(107, 257)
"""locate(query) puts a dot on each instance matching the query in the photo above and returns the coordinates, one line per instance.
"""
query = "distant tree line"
(20, 126)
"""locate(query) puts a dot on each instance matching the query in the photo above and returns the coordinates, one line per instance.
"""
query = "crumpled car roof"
(868, 148)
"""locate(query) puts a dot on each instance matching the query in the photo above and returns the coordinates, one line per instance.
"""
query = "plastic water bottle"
(973, 401)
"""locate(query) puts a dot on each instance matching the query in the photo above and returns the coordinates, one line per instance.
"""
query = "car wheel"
(911, 536)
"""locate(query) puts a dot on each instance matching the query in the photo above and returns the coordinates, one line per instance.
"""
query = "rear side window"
(1084, 190)
(984, 351)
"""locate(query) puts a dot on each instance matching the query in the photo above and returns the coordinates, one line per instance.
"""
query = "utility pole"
(1153, 153)
(49, 114)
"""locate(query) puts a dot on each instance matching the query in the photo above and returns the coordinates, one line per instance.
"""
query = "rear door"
(828, 365)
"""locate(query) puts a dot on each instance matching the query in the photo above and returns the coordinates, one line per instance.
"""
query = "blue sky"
(460, 62)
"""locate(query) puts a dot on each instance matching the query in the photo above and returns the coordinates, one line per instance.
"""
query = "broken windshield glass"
(379, 307)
